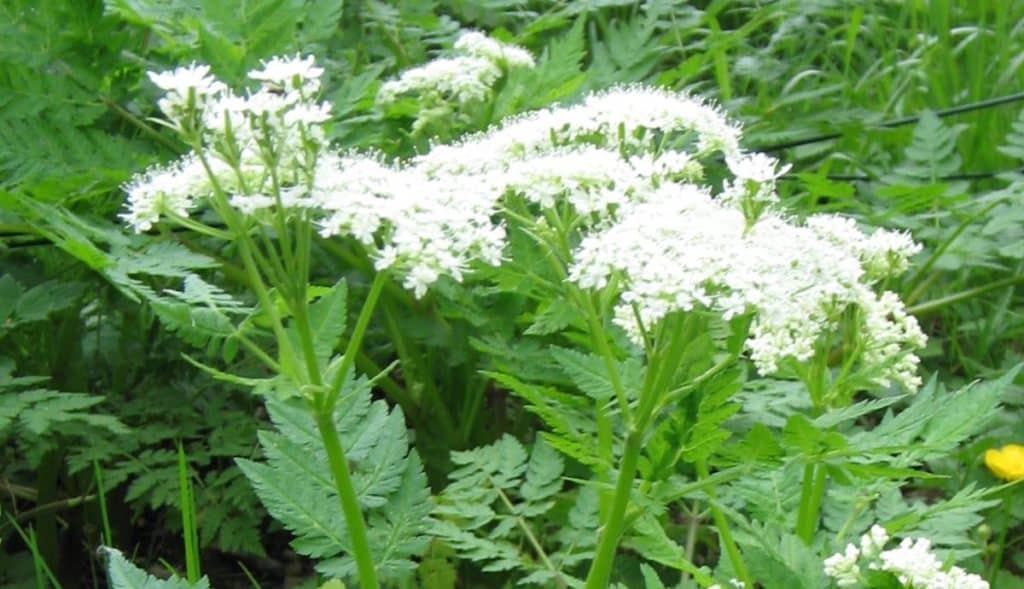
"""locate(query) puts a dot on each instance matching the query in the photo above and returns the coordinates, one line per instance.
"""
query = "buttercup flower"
(1007, 462)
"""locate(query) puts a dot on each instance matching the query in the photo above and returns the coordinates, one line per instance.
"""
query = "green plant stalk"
(189, 532)
(997, 561)
(936, 304)
(362, 322)
(660, 369)
(531, 537)
(601, 342)
(101, 492)
(43, 571)
(812, 490)
(601, 569)
(724, 532)
(411, 370)
(300, 311)
(349, 502)
(323, 408)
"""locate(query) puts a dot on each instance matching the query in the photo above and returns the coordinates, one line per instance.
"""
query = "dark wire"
(992, 102)
(949, 178)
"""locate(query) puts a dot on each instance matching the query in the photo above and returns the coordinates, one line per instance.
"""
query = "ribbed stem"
(349, 502)
(601, 569)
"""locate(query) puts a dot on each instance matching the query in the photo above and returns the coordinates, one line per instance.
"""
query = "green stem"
(285, 352)
(601, 569)
(660, 369)
(610, 363)
(811, 492)
(997, 561)
(349, 501)
(936, 304)
(724, 532)
(413, 374)
(301, 312)
(362, 322)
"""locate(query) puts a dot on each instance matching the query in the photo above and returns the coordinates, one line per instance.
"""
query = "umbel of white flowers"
(912, 562)
(467, 76)
(645, 217)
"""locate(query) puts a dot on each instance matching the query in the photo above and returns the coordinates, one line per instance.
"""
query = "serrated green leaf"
(122, 574)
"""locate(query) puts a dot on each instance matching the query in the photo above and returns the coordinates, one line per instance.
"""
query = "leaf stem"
(531, 538)
(610, 363)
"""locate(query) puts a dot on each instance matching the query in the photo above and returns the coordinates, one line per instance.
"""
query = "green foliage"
(103, 317)
(490, 511)
(37, 418)
(932, 153)
(387, 474)
(122, 574)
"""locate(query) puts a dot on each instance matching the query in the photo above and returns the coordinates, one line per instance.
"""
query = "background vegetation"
(903, 114)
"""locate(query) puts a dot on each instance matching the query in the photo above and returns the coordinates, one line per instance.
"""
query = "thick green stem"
(323, 404)
(811, 492)
(661, 367)
(349, 501)
(601, 569)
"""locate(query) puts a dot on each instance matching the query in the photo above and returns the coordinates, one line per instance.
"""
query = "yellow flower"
(1007, 462)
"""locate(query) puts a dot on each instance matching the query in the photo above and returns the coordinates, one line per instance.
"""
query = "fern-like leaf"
(487, 512)
(122, 574)
(295, 485)
(932, 153)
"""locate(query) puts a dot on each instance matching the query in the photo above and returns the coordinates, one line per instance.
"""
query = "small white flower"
(844, 566)
(173, 188)
(872, 542)
(756, 167)
(462, 79)
(191, 82)
(468, 76)
(294, 73)
(913, 564)
(191, 77)
(480, 45)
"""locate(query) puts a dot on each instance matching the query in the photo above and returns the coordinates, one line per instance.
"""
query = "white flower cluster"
(241, 138)
(630, 117)
(912, 562)
(438, 210)
(627, 163)
(680, 248)
(466, 76)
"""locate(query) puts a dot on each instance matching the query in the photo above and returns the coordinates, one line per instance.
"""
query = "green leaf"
(649, 538)
(295, 485)
(936, 422)
(590, 373)
(554, 316)
(122, 574)
(495, 491)
(328, 317)
(931, 155)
